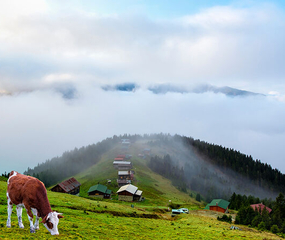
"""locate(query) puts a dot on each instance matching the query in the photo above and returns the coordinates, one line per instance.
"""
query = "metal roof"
(108, 191)
(218, 202)
(139, 192)
(260, 207)
(129, 188)
(124, 172)
(69, 184)
(98, 187)
(122, 162)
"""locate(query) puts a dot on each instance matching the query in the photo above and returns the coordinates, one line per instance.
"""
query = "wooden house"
(71, 186)
(124, 178)
(218, 205)
(122, 165)
(99, 191)
(129, 193)
(259, 207)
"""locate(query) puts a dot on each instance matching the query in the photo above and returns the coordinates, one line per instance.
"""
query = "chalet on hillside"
(218, 205)
(259, 207)
(129, 193)
(71, 186)
(99, 191)
(124, 178)
(122, 165)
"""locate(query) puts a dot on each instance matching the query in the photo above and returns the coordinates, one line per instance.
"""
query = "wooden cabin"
(124, 178)
(122, 165)
(99, 191)
(129, 193)
(218, 205)
(70, 186)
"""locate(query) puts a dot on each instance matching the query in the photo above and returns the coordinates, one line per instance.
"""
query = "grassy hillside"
(89, 219)
(157, 190)
(86, 218)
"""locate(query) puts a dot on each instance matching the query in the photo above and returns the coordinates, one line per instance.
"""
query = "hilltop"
(192, 166)
(169, 171)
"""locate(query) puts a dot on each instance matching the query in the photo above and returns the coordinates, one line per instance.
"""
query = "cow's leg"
(9, 210)
(19, 215)
(30, 216)
(36, 225)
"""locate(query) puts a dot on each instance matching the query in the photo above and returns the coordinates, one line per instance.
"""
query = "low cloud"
(40, 125)
(69, 79)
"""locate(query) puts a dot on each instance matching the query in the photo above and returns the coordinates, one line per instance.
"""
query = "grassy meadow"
(92, 219)
(86, 218)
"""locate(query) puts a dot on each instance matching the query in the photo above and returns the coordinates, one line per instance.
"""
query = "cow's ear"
(60, 215)
(45, 219)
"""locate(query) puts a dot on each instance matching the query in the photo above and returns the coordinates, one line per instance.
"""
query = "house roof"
(124, 172)
(261, 207)
(218, 202)
(139, 192)
(69, 184)
(98, 187)
(129, 188)
(122, 162)
(108, 191)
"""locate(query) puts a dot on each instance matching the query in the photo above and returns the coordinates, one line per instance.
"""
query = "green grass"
(112, 219)
(91, 219)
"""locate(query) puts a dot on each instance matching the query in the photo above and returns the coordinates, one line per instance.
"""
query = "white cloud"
(41, 50)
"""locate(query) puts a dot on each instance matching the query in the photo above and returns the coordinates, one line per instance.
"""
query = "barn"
(71, 186)
(99, 191)
(218, 205)
(259, 207)
(129, 193)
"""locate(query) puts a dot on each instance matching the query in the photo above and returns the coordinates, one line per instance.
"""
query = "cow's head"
(50, 221)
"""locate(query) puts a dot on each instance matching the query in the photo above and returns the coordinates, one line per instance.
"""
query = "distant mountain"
(124, 87)
(192, 165)
(165, 88)
(228, 91)
(232, 92)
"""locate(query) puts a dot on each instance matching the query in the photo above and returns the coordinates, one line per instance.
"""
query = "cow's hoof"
(8, 226)
(21, 226)
(32, 230)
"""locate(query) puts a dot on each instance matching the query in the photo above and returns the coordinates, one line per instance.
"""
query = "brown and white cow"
(30, 193)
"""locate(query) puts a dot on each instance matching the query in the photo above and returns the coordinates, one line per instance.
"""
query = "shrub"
(274, 229)
(174, 205)
(261, 226)
(225, 218)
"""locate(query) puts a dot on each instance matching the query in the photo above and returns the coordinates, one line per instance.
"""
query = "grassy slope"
(88, 219)
(156, 189)
(93, 219)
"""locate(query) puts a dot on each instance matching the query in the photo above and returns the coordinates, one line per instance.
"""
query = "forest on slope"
(212, 170)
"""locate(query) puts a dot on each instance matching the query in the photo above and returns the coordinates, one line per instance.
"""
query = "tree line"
(262, 174)
(70, 163)
(273, 221)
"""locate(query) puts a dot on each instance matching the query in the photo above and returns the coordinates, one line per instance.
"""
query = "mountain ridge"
(205, 167)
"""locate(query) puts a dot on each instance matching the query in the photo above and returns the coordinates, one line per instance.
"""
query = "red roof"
(119, 159)
(260, 206)
(69, 184)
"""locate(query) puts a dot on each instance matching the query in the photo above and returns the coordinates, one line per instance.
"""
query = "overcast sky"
(65, 67)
